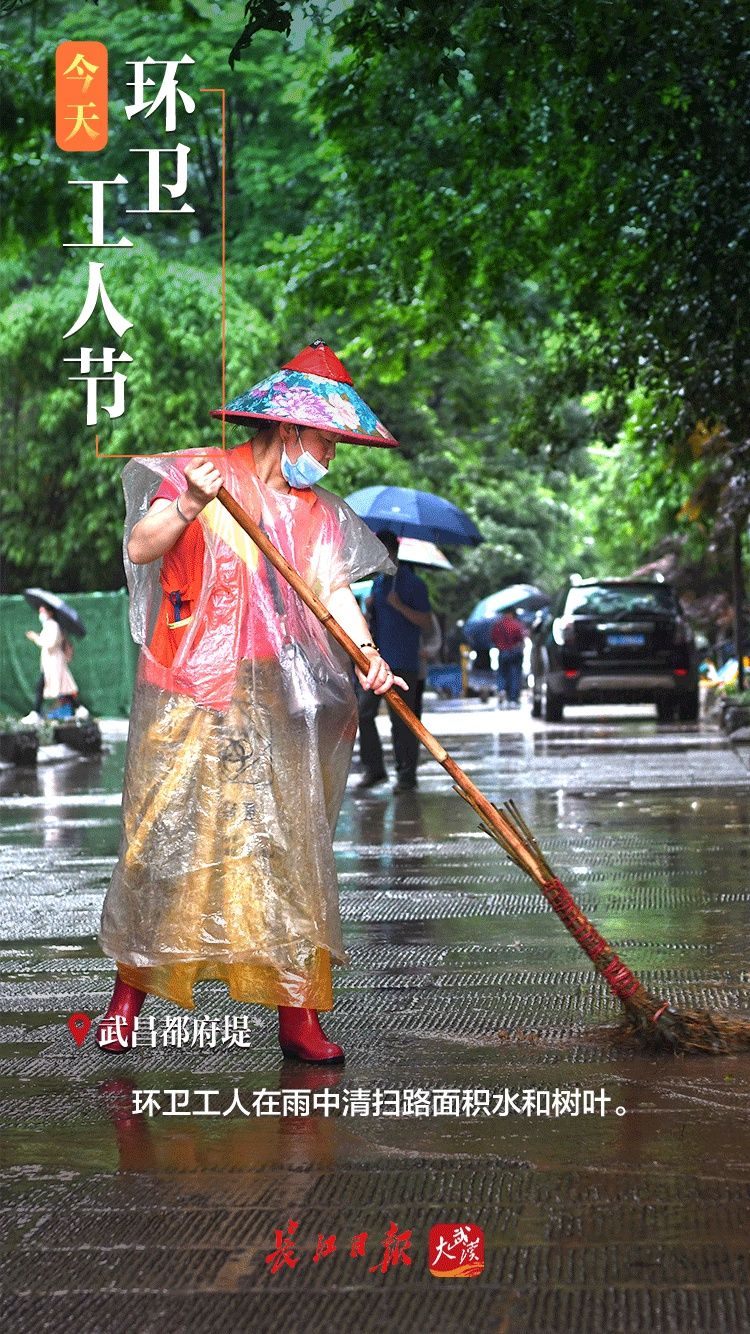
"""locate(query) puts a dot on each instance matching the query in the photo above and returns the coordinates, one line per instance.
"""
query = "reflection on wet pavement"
(460, 979)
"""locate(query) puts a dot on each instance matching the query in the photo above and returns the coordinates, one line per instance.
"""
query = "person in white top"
(56, 681)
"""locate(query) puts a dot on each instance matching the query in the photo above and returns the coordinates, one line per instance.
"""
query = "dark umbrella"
(526, 597)
(67, 618)
(411, 513)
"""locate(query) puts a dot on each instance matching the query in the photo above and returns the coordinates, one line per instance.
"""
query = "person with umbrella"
(56, 681)
(402, 608)
(524, 597)
(244, 715)
(399, 616)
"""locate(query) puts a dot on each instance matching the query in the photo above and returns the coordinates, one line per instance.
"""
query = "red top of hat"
(318, 359)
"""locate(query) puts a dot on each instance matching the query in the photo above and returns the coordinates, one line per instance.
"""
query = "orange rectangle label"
(81, 97)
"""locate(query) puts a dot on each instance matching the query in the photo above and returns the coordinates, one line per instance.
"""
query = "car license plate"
(626, 641)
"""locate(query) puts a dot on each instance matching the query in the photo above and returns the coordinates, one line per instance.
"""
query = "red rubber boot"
(125, 1004)
(301, 1036)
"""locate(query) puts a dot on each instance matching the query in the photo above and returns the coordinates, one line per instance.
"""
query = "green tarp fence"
(104, 661)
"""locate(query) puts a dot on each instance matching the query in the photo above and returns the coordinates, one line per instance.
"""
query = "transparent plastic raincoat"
(241, 733)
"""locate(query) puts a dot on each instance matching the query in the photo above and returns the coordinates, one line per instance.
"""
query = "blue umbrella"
(526, 597)
(411, 513)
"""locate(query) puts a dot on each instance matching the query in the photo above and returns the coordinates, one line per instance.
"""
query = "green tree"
(273, 171)
(519, 227)
(487, 152)
(62, 506)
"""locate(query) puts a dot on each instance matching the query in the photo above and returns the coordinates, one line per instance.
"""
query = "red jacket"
(508, 633)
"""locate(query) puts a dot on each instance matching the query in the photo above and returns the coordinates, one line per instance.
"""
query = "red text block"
(81, 97)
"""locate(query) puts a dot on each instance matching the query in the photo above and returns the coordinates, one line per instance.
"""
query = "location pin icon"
(79, 1025)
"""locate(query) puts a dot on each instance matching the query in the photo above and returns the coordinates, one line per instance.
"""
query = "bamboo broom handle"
(484, 808)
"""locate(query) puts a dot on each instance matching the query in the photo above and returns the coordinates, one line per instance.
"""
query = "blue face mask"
(305, 471)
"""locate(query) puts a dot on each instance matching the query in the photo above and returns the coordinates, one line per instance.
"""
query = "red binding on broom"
(649, 1018)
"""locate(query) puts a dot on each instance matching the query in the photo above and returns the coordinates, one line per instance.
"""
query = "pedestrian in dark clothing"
(508, 634)
(429, 648)
(399, 608)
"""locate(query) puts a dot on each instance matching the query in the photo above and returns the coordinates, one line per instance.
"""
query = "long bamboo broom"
(651, 1019)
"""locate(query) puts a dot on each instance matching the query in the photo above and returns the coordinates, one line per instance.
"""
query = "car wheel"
(553, 707)
(688, 707)
(665, 709)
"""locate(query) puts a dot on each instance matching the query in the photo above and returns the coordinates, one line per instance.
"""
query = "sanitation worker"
(244, 714)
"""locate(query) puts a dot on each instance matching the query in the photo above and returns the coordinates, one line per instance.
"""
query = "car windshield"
(620, 600)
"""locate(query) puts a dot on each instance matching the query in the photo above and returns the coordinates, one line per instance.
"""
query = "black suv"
(614, 641)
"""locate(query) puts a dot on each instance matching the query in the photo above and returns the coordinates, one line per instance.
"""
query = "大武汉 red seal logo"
(456, 1250)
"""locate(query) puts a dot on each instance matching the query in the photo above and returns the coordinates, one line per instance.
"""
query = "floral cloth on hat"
(314, 389)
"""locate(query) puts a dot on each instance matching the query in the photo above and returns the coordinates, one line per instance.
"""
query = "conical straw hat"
(313, 389)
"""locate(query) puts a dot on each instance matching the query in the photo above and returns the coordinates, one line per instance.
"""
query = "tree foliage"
(62, 511)
(523, 228)
(273, 175)
(487, 151)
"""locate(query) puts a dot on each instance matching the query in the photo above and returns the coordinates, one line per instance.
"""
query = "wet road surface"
(461, 985)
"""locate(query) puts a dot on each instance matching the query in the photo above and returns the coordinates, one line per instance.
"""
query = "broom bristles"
(650, 1021)
(687, 1031)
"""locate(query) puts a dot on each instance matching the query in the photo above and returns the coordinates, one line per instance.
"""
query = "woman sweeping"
(243, 716)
